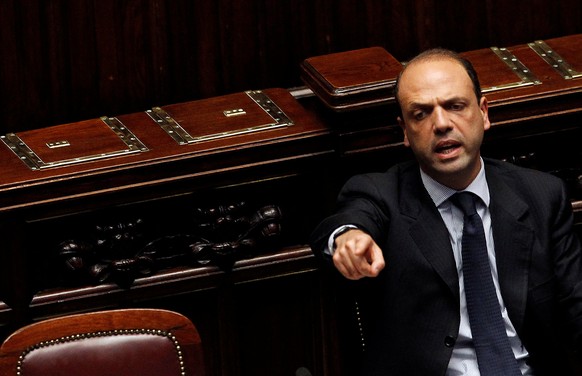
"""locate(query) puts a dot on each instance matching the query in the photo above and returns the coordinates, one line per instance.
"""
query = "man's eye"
(419, 115)
(457, 106)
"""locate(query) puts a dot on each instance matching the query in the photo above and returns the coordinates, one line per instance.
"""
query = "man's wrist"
(339, 231)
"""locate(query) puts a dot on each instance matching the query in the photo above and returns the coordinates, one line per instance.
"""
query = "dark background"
(68, 60)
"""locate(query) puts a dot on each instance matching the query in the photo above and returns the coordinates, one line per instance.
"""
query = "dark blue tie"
(494, 353)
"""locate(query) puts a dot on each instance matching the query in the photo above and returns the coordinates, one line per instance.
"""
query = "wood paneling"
(65, 61)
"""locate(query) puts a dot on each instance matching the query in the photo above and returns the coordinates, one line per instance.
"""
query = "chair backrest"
(127, 342)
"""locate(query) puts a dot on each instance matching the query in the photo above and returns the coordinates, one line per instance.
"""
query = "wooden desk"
(273, 310)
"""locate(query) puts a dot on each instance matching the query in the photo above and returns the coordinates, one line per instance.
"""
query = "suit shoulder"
(522, 176)
(392, 175)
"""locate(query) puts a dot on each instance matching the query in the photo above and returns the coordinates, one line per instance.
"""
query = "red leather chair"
(128, 342)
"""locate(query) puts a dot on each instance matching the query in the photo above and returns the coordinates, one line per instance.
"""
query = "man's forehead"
(427, 65)
(429, 75)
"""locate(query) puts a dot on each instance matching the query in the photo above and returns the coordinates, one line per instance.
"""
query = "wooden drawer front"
(352, 79)
(73, 143)
(220, 117)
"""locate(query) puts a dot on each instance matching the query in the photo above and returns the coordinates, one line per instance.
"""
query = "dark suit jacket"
(414, 319)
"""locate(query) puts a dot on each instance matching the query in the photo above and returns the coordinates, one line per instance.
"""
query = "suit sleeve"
(567, 253)
(360, 204)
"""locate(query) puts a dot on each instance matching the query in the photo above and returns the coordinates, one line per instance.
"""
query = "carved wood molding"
(122, 252)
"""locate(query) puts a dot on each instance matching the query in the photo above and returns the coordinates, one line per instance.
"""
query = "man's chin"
(453, 173)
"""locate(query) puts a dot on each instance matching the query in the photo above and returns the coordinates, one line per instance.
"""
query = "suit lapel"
(428, 230)
(512, 236)
(513, 245)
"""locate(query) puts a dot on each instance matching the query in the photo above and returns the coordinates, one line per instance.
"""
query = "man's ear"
(403, 126)
(484, 106)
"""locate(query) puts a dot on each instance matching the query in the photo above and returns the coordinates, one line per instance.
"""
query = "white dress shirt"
(464, 360)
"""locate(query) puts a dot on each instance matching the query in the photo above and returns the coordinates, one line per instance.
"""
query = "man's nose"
(441, 120)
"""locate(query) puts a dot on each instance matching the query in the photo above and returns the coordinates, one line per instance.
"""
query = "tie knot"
(465, 201)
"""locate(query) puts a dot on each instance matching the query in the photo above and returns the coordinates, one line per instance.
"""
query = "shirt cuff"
(331, 241)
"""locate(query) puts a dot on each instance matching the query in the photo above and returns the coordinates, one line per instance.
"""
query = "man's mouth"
(447, 147)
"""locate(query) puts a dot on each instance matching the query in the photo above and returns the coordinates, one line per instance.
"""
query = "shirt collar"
(440, 193)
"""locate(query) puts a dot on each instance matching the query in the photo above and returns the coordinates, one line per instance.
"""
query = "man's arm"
(355, 252)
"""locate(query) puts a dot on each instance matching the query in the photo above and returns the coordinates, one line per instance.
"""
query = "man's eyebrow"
(417, 104)
(412, 106)
(455, 99)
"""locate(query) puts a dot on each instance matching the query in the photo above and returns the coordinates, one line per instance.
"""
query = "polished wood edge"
(131, 318)
(176, 281)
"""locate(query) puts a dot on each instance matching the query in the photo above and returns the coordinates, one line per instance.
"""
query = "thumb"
(372, 262)
(377, 262)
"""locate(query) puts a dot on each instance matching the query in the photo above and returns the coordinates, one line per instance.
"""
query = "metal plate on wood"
(76, 143)
(554, 60)
(170, 126)
(527, 78)
(228, 116)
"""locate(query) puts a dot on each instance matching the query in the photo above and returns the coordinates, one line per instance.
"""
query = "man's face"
(442, 120)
